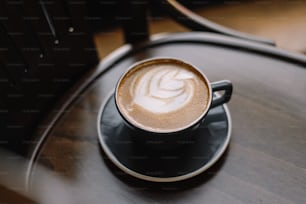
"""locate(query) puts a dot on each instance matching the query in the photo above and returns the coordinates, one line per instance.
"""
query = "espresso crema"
(162, 96)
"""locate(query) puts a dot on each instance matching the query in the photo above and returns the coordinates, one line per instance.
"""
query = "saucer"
(186, 161)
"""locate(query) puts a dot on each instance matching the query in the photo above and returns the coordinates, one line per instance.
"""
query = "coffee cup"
(164, 100)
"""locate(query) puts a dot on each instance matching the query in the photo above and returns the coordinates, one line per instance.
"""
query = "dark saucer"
(187, 161)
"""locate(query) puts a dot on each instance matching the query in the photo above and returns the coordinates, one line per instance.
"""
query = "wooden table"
(265, 162)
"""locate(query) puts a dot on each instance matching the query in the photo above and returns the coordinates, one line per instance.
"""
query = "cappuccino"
(163, 95)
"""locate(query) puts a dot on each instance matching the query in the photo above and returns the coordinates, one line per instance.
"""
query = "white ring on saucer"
(166, 179)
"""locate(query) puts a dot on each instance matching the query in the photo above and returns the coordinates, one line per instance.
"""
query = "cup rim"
(135, 125)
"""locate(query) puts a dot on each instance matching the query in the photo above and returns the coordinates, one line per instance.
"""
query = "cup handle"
(225, 86)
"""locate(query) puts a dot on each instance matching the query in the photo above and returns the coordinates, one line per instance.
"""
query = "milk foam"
(163, 89)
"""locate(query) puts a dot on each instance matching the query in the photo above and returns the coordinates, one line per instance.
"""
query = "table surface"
(265, 162)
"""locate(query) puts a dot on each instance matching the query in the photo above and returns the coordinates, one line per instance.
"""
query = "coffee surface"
(162, 96)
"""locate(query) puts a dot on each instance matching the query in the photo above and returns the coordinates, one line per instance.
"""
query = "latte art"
(162, 95)
(163, 89)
